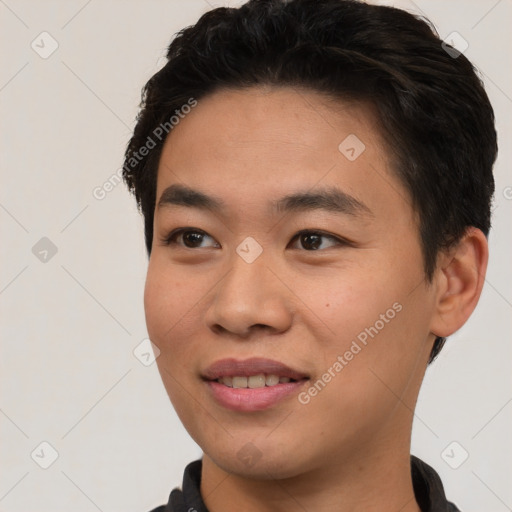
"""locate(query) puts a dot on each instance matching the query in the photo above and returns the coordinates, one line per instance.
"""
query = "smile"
(252, 384)
(253, 381)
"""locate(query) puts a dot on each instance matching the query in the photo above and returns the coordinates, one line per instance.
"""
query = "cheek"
(349, 303)
(369, 369)
(375, 320)
(168, 306)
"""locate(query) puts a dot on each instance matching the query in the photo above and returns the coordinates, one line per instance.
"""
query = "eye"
(312, 240)
(190, 238)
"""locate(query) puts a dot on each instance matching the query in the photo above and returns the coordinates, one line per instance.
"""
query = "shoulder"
(188, 498)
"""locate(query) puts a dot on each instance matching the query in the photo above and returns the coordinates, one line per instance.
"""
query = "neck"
(379, 480)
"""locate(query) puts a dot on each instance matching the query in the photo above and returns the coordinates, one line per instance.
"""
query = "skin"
(348, 449)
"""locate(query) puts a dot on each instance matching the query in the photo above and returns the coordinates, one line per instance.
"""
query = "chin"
(259, 460)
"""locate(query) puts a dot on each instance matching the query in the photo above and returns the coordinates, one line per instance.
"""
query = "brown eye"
(190, 238)
(313, 240)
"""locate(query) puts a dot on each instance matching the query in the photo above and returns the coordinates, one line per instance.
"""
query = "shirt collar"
(428, 490)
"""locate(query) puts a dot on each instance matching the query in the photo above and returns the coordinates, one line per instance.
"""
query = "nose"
(250, 297)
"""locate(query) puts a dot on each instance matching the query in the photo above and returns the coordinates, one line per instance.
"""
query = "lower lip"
(249, 400)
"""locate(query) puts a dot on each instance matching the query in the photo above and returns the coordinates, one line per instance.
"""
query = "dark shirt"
(428, 490)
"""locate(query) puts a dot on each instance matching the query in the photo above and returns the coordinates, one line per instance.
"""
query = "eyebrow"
(327, 198)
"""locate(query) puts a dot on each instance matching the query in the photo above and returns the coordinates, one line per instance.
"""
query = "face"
(285, 288)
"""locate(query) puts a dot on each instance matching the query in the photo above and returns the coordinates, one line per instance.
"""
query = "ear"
(459, 280)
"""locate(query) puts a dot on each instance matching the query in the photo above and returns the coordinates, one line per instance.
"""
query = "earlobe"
(460, 277)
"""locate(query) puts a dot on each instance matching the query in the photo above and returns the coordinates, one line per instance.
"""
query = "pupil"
(190, 238)
(311, 241)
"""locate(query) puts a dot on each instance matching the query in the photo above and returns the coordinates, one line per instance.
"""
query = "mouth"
(252, 384)
(255, 372)
(260, 380)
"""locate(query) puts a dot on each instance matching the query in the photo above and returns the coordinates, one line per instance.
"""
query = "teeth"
(271, 380)
(239, 382)
(254, 381)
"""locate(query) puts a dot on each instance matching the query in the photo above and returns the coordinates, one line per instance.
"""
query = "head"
(268, 109)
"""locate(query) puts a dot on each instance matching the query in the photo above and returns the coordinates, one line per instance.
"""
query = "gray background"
(70, 321)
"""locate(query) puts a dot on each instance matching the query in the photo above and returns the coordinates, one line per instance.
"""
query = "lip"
(247, 399)
(252, 400)
(246, 367)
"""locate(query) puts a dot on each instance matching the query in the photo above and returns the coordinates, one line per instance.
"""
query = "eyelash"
(170, 238)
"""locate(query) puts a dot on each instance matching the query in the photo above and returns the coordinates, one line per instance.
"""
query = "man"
(315, 179)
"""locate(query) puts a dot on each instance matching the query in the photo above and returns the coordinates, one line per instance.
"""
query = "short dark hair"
(431, 106)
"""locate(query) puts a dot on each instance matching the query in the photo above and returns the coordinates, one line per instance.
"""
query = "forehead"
(263, 142)
(272, 115)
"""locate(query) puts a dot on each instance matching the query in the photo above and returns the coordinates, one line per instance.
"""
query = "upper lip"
(247, 367)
